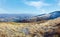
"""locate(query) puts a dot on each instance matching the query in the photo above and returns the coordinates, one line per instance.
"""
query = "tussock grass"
(12, 29)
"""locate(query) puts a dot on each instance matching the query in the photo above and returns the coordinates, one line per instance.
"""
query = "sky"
(29, 6)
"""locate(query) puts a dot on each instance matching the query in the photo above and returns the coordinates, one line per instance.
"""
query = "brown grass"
(12, 29)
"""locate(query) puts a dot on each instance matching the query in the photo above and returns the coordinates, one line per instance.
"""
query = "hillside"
(12, 29)
(48, 16)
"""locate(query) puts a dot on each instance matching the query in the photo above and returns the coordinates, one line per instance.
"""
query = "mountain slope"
(55, 14)
(49, 16)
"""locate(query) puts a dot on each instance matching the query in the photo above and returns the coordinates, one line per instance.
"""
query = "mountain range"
(28, 17)
(48, 16)
(14, 17)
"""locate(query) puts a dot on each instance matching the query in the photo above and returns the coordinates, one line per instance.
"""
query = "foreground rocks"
(50, 28)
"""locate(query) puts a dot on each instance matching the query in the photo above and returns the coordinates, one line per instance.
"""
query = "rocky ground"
(50, 28)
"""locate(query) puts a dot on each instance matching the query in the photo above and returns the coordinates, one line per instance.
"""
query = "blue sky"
(29, 6)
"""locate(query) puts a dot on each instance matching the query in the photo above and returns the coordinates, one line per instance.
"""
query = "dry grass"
(12, 29)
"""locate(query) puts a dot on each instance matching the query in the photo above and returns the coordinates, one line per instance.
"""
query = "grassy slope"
(11, 29)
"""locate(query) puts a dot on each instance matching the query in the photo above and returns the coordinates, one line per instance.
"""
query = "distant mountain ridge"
(48, 16)
(28, 17)
(14, 17)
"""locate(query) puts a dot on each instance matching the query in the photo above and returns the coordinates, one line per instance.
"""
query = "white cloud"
(37, 4)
